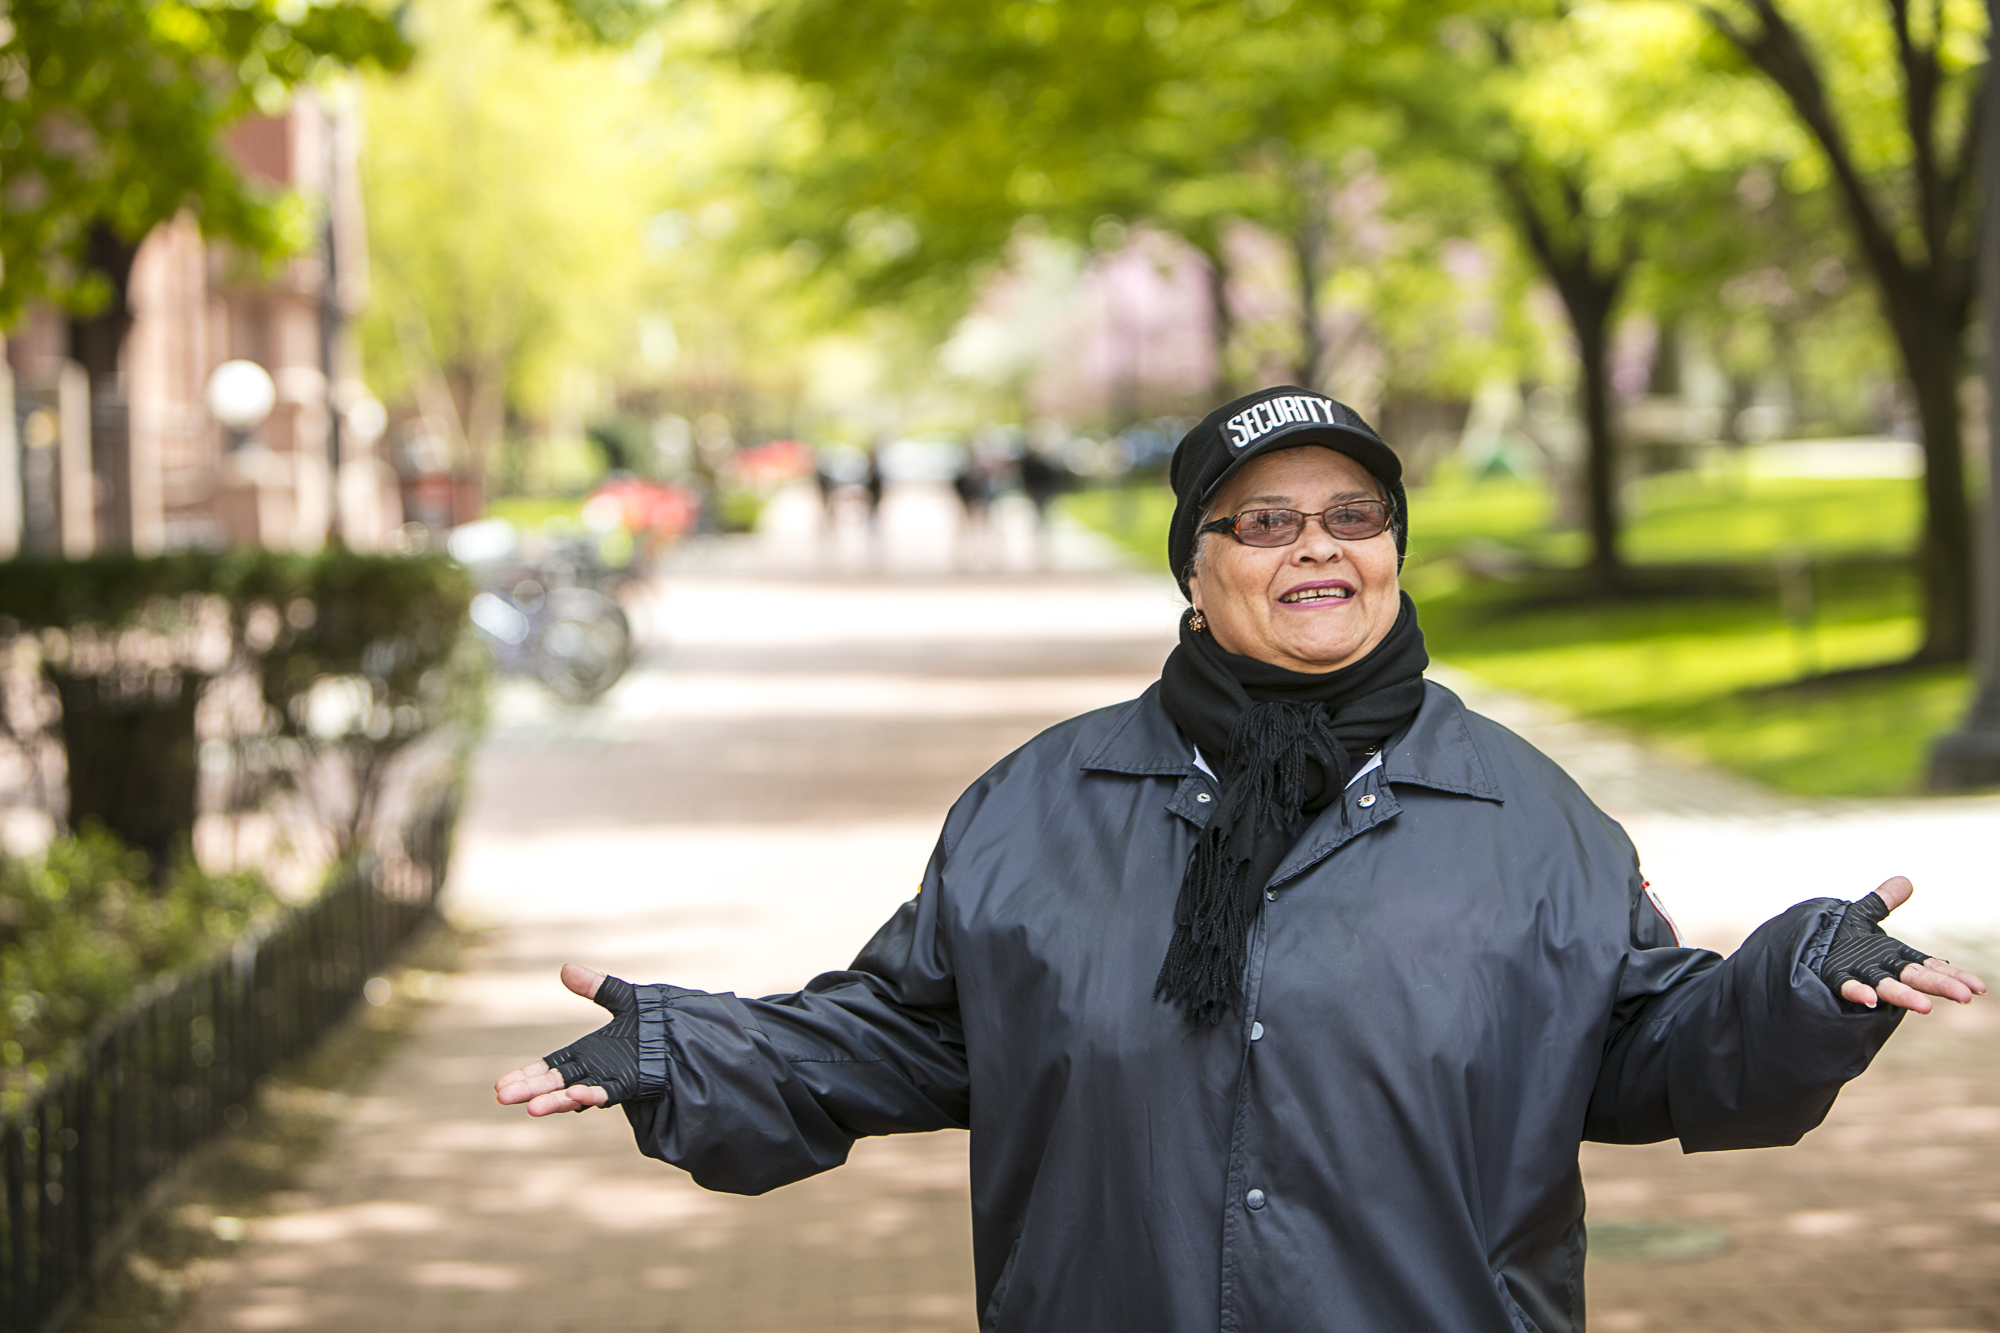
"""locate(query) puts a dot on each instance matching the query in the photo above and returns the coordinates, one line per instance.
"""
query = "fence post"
(14, 1160)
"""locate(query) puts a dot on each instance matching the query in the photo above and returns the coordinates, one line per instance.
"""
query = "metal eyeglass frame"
(1228, 525)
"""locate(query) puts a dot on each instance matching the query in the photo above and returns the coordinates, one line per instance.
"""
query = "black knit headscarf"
(1283, 745)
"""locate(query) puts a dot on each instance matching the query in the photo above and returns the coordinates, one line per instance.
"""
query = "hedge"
(351, 654)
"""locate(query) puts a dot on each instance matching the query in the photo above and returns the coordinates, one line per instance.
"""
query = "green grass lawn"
(529, 512)
(1699, 655)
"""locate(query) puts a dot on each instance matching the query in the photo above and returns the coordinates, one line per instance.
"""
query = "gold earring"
(1197, 622)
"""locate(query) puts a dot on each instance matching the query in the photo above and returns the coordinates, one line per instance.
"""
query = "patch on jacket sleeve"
(1653, 897)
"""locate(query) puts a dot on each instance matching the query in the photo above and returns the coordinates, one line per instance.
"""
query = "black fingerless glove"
(626, 1057)
(1861, 951)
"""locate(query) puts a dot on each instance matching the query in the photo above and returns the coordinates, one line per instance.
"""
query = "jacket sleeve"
(1747, 1051)
(761, 1093)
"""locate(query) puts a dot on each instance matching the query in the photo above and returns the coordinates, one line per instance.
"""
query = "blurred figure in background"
(873, 484)
(1042, 480)
(829, 492)
(974, 484)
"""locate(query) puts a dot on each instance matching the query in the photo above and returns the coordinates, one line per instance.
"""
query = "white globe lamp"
(241, 395)
(367, 419)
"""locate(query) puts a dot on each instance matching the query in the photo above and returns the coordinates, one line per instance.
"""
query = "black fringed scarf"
(1280, 743)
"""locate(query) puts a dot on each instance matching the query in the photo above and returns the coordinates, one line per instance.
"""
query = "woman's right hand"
(541, 1087)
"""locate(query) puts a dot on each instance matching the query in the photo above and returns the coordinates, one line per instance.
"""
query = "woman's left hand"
(1899, 976)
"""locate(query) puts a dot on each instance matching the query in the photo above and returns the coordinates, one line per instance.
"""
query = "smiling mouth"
(1331, 594)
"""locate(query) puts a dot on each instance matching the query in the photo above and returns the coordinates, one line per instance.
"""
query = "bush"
(82, 929)
(344, 659)
(740, 508)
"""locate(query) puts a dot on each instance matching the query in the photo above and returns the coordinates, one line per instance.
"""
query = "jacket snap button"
(1203, 797)
(1255, 1198)
(1256, 1032)
(1368, 800)
(1270, 895)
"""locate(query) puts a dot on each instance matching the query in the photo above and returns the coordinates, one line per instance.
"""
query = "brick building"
(133, 457)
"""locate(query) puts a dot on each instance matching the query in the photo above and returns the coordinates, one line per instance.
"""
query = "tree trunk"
(1589, 297)
(1309, 241)
(485, 417)
(1221, 323)
(1945, 557)
(1305, 245)
(1306, 372)
(97, 342)
(1927, 308)
(1590, 317)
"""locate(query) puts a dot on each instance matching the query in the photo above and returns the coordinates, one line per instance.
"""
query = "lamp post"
(1970, 756)
(241, 395)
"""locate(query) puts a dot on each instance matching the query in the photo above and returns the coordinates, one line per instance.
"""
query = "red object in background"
(468, 498)
(658, 509)
(428, 500)
(262, 147)
(442, 501)
(771, 464)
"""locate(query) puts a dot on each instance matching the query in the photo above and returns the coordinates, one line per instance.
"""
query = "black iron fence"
(77, 1161)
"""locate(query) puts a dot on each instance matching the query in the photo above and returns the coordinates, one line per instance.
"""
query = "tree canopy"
(704, 182)
(111, 121)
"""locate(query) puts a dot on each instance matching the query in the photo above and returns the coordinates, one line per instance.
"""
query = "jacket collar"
(1145, 742)
(1437, 750)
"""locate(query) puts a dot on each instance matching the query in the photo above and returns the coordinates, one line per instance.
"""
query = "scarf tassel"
(1290, 757)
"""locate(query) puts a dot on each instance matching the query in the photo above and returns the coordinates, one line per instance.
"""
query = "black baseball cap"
(1258, 423)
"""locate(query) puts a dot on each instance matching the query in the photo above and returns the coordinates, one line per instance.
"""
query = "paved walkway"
(764, 789)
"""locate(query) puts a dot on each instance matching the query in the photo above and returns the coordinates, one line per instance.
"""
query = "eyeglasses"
(1348, 521)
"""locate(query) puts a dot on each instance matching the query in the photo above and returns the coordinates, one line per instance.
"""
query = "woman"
(1280, 997)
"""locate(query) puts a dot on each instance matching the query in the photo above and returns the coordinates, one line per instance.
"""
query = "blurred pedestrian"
(829, 494)
(1281, 997)
(873, 485)
(972, 482)
(1042, 481)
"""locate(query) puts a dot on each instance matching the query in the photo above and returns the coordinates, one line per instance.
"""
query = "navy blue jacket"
(1457, 976)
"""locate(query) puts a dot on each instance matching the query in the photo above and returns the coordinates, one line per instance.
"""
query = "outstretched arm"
(1751, 1050)
(748, 1094)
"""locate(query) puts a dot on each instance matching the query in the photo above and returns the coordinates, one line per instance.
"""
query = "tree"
(111, 121)
(1608, 131)
(1598, 129)
(944, 125)
(598, 22)
(508, 186)
(1892, 102)
(1255, 113)
(931, 128)
(559, 229)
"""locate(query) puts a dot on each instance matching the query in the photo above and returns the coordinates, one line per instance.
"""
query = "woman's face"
(1272, 603)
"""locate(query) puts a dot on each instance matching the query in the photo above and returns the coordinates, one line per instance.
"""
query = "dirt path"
(753, 801)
